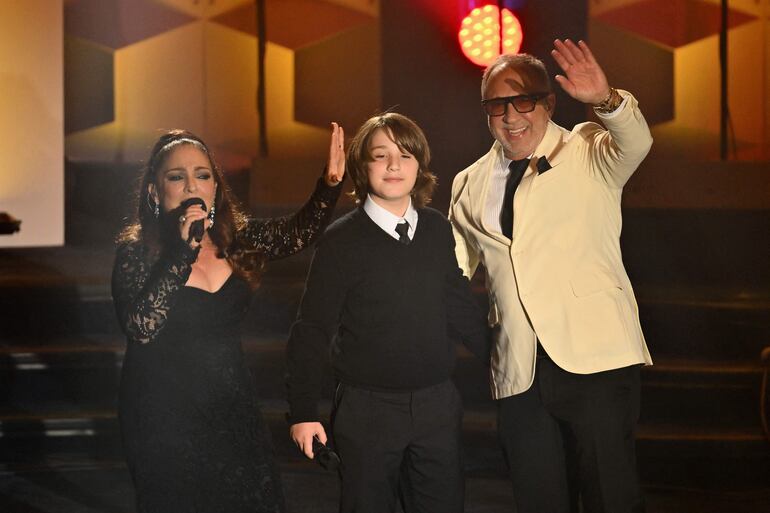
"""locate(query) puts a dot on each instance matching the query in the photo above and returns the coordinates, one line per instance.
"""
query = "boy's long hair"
(408, 137)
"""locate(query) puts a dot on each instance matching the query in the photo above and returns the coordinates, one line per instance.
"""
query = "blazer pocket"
(585, 283)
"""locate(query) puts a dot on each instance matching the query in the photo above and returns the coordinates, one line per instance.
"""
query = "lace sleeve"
(280, 237)
(144, 294)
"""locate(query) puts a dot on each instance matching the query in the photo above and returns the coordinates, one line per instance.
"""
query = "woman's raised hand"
(335, 167)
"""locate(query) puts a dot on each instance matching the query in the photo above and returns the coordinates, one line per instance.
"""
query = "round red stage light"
(479, 34)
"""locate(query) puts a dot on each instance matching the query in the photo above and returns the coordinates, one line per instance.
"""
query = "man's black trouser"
(570, 438)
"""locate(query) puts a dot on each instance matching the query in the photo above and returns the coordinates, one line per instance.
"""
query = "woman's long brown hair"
(229, 217)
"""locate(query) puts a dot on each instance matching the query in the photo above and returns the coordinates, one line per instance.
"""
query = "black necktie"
(402, 229)
(516, 168)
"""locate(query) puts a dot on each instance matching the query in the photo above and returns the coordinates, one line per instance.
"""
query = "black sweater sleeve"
(311, 334)
(467, 321)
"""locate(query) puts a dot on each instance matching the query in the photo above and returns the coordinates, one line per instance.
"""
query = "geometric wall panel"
(294, 23)
(339, 78)
(204, 9)
(118, 23)
(329, 41)
(32, 123)
(637, 42)
(229, 85)
(135, 67)
(667, 53)
(88, 85)
(158, 87)
(638, 65)
(673, 23)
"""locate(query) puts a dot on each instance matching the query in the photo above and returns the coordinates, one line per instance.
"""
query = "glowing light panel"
(479, 34)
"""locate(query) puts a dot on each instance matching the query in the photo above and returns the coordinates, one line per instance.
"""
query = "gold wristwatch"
(610, 103)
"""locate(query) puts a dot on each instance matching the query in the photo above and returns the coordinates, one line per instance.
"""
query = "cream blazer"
(561, 279)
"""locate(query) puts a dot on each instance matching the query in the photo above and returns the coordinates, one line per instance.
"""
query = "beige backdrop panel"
(32, 120)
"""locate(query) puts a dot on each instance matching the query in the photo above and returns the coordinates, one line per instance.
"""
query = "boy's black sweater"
(390, 310)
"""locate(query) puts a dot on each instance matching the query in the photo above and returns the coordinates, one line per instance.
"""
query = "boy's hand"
(303, 434)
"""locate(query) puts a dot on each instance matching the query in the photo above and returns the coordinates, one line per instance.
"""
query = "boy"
(385, 289)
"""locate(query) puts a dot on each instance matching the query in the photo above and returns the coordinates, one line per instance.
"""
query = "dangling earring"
(153, 205)
(212, 211)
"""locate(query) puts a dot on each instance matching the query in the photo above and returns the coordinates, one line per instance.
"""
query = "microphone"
(196, 228)
(326, 457)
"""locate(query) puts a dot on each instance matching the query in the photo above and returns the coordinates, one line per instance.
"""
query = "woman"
(193, 434)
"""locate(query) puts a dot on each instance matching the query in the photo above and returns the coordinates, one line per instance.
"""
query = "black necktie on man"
(516, 170)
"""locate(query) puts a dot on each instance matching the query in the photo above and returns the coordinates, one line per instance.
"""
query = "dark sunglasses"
(523, 103)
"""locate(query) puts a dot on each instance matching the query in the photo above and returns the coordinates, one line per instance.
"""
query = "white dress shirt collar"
(388, 221)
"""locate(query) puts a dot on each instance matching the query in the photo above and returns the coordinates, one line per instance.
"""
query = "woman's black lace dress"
(193, 434)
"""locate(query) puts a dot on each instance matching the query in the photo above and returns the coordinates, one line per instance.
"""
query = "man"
(541, 212)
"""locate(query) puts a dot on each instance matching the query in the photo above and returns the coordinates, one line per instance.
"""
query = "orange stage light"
(479, 34)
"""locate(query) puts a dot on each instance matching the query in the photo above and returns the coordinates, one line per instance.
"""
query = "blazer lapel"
(547, 152)
(546, 155)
